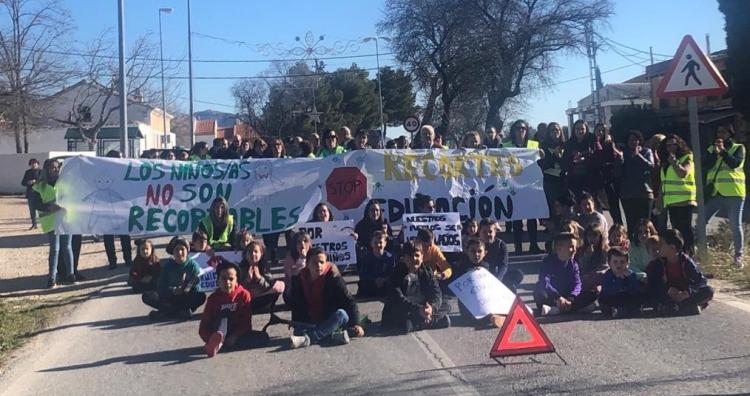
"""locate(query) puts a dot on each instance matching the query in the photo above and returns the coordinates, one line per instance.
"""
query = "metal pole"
(163, 97)
(700, 227)
(190, 78)
(380, 95)
(124, 149)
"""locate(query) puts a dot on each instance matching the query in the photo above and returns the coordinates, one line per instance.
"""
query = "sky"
(244, 26)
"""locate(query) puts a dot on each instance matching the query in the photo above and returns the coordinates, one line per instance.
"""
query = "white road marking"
(458, 383)
(732, 302)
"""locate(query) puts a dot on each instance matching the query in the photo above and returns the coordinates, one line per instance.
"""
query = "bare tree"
(93, 107)
(32, 60)
(250, 96)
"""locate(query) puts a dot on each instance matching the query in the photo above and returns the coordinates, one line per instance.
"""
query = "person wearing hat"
(176, 292)
(330, 145)
(725, 184)
(29, 178)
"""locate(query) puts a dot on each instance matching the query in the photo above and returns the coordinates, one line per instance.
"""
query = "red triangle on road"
(691, 73)
(519, 314)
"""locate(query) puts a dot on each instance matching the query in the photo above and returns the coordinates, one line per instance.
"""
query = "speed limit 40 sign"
(411, 124)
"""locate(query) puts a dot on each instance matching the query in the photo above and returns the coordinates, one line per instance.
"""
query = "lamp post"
(122, 83)
(190, 78)
(161, 60)
(380, 91)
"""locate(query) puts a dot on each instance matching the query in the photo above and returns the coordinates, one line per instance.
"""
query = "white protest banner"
(207, 276)
(335, 238)
(445, 227)
(482, 293)
(109, 196)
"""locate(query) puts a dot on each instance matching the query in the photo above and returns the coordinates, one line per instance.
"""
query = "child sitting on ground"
(497, 255)
(588, 215)
(262, 287)
(321, 304)
(469, 230)
(618, 237)
(414, 300)
(592, 259)
(244, 237)
(475, 257)
(559, 287)
(432, 256)
(176, 293)
(622, 293)
(144, 274)
(639, 255)
(674, 283)
(226, 316)
(375, 268)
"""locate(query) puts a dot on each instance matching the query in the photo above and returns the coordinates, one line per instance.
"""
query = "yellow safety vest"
(676, 189)
(48, 195)
(209, 227)
(729, 182)
(529, 144)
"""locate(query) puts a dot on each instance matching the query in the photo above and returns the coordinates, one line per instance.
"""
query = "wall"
(14, 165)
(40, 140)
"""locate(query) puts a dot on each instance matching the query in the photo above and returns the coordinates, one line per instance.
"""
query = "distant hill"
(223, 119)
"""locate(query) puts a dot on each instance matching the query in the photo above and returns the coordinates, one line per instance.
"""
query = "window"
(84, 113)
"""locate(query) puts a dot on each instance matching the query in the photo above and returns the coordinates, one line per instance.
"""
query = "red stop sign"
(346, 188)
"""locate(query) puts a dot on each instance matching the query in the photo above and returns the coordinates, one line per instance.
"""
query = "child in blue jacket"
(621, 293)
(375, 267)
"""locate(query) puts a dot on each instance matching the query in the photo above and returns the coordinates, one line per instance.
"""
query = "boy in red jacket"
(227, 315)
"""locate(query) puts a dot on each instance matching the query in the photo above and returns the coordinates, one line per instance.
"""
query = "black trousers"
(701, 296)
(272, 245)
(581, 301)
(635, 210)
(681, 218)
(264, 303)
(612, 190)
(174, 303)
(531, 226)
(127, 249)
(623, 300)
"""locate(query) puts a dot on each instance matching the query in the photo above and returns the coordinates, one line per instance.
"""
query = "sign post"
(412, 124)
(692, 74)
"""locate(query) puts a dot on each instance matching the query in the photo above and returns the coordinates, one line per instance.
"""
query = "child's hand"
(563, 304)
(358, 331)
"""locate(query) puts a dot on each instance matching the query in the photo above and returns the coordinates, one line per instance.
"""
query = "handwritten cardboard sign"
(446, 227)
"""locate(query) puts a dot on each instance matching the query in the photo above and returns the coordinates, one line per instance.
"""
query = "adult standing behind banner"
(426, 138)
(276, 150)
(725, 187)
(519, 138)
(109, 240)
(29, 178)
(636, 191)
(604, 181)
(578, 151)
(330, 145)
(44, 199)
(493, 139)
(551, 164)
(372, 221)
(679, 194)
(219, 225)
(199, 152)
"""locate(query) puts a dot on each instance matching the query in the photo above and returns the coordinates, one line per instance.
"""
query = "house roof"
(102, 88)
(106, 133)
(205, 127)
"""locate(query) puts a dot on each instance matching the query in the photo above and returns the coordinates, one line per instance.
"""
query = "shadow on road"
(23, 241)
(169, 358)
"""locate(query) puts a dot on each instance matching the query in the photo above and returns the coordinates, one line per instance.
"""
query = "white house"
(612, 98)
(92, 102)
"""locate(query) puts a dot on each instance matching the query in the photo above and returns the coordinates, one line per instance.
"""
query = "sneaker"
(297, 342)
(408, 326)
(112, 267)
(340, 337)
(184, 314)
(692, 310)
(616, 313)
(155, 315)
(33, 227)
(738, 262)
(497, 320)
(80, 277)
(588, 309)
(51, 283)
(443, 323)
(71, 279)
(215, 341)
(547, 310)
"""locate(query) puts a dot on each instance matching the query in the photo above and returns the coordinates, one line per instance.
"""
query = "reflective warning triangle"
(519, 314)
(691, 73)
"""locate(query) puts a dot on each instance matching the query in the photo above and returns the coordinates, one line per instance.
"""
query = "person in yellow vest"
(44, 200)
(519, 138)
(725, 184)
(219, 225)
(678, 191)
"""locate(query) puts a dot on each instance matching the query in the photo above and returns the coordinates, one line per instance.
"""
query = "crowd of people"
(627, 266)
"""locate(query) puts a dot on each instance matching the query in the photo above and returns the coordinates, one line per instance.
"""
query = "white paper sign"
(335, 238)
(482, 293)
(207, 276)
(446, 227)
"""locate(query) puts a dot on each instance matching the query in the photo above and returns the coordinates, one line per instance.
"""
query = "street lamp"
(123, 85)
(380, 91)
(161, 60)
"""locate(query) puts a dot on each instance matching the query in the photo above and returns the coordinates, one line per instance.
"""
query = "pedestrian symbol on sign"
(691, 66)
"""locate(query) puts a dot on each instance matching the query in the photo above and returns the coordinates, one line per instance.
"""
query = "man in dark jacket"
(29, 178)
(321, 304)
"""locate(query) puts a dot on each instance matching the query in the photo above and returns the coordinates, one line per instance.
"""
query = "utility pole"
(124, 147)
(651, 54)
(591, 54)
(190, 78)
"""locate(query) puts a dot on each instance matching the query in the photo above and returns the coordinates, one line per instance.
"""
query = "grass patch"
(21, 318)
(721, 256)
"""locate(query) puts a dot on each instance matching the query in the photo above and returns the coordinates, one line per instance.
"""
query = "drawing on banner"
(336, 238)
(207, 276)
(482, 293)
(445, 227)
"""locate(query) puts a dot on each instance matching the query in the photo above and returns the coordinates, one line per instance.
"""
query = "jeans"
(636, 209)
(513, 279)
(326, 328)
(127, 249)
(59, 244)
(171, 304)
(32, 213)
(733, 207)
(681, 218)
(272, 245)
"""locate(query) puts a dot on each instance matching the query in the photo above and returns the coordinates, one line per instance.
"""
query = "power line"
(585, 77)
(613, 42)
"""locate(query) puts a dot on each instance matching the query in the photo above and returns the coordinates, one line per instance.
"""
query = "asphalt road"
(108, 346)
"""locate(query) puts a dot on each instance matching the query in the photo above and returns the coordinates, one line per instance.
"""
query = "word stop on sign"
(346, 188)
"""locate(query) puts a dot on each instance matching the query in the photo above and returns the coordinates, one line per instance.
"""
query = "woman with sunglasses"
(678, 191)
(330, 145)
